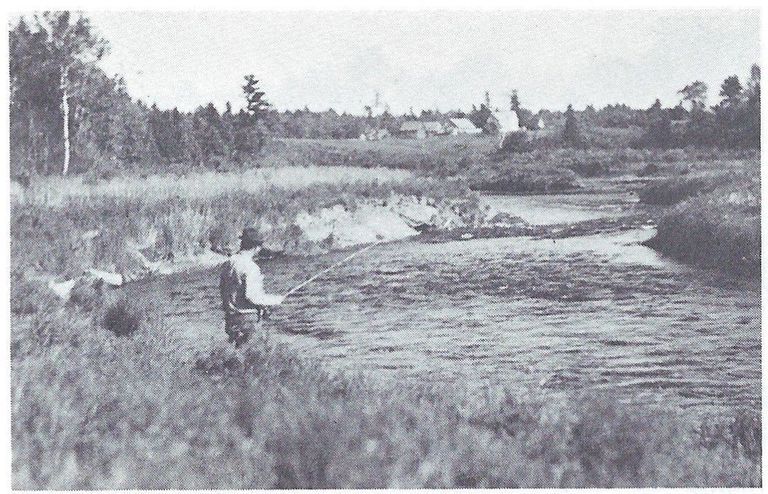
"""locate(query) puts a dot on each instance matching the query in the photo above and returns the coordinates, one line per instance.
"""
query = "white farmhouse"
(504, 122)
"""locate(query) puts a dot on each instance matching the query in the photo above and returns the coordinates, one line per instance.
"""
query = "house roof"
(433, 126)
(464, 124)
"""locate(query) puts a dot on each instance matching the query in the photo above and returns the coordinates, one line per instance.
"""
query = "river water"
(598, 313)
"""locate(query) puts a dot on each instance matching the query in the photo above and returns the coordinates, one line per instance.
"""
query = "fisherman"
(242, 289)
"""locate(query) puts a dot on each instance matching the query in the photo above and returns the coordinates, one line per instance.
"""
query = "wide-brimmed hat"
(251, 237)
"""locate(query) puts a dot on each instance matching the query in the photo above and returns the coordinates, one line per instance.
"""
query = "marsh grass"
(197, 185)
(715, 218)
(93, 410)
(53, 237)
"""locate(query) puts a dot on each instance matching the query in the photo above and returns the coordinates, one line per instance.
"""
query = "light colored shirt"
(242, 284)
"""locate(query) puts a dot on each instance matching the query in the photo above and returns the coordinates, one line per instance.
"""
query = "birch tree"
(74, 48)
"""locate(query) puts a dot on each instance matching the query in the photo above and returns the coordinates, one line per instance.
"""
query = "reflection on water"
(597, 312)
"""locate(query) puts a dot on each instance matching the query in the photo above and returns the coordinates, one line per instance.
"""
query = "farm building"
(419, 130)
(462, 126)
(504, 122)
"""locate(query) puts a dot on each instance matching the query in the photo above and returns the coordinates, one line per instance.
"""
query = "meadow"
(55, 191)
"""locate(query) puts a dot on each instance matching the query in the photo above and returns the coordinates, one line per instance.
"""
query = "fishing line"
(329, 268)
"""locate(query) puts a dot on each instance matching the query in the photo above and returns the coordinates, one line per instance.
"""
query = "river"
(598, 313)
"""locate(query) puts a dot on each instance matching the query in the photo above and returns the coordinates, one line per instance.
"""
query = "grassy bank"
(713, 217)
(65, 227)
(93, 410)
(199, 185)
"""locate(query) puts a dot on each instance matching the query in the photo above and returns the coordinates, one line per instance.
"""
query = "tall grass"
(51, 239)
(464, 155)
(199, 185)
(94, 410)
(715, 220)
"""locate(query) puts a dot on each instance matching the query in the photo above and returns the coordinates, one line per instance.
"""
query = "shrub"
(589, 168)
(122, 317)
(673, 190)
(648, 170)
(516, 142)
(716, 220)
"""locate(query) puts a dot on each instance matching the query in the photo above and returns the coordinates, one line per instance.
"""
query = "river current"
(598, 313)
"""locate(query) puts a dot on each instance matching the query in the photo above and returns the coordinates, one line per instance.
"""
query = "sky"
(427, 60)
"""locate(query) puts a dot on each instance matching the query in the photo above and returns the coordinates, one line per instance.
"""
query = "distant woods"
(67, 115)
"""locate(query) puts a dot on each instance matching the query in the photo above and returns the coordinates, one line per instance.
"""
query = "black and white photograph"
(384, 249)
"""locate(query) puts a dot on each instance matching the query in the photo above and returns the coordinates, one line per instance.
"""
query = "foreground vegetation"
(94, 410)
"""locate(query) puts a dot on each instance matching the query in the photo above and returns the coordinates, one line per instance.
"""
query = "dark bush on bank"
(122, 317)
(670, 191)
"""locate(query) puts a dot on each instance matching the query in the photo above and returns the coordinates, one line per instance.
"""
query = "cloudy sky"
(444, 60)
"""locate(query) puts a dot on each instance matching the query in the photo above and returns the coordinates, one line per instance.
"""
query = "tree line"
(65, 111)
(67, 114)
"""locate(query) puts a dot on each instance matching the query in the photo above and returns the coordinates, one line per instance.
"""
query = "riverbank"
(711, 194)
(127, 228)
(712, 217)
(94, 410)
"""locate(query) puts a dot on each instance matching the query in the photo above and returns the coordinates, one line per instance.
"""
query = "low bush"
(716, 218)
(672, 190)
(710, 230)
(122, 317)
(516, 142)
(510, 178)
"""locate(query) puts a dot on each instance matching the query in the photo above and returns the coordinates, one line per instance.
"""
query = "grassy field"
(94, 410)
(200, 185)
(475, 160)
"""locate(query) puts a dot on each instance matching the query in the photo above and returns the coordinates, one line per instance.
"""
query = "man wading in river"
(242, 290)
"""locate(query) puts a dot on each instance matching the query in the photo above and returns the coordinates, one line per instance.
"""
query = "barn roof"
(433, 126)
(415, 126)
(464, 124)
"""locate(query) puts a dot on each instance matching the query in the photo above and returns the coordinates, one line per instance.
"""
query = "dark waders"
(240, 327)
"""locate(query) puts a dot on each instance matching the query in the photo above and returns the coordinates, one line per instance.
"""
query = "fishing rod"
(312, 278)
(329, 268)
